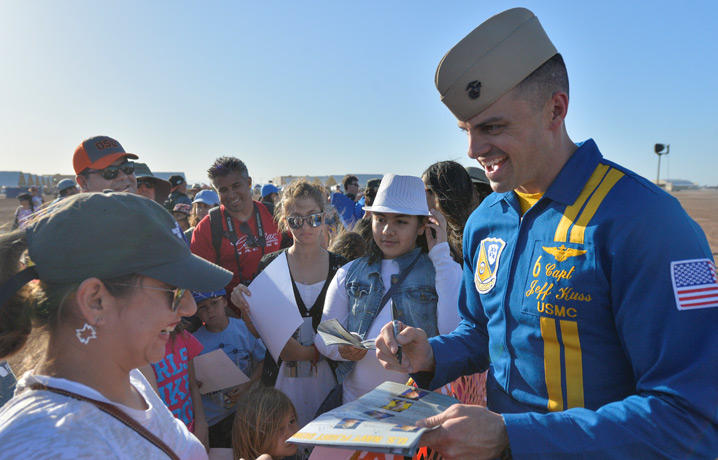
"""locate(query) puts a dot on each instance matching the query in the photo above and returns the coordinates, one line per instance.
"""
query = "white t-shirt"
(307, 392)
(43, 424)
(368, 372)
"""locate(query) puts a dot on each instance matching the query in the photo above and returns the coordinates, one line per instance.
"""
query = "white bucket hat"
(400, 195)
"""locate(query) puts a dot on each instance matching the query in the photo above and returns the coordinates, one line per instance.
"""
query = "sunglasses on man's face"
(112, 171)
(145, 183)
(296, 222)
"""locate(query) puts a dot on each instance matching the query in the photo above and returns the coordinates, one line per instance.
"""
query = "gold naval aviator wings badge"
(562, 253)
(487, 265)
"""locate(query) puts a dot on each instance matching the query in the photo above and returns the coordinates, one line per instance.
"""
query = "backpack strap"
(215, 224)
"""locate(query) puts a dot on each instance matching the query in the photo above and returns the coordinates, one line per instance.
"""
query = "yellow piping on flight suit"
(552, 364)
(574, 363)
(569, 215)
(579, 228)
(597, 187)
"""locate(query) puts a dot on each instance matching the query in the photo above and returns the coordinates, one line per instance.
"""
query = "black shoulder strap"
(316, 310)
(394, 286)
(215, 224)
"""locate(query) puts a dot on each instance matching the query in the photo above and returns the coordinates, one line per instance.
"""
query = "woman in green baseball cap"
(106, 286)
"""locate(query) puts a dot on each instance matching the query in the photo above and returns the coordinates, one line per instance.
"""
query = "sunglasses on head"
(296, 222)
(112, 171)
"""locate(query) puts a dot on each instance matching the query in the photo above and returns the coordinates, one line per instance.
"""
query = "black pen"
(395, 325)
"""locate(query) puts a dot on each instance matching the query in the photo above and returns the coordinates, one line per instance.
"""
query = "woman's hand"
(437, 223)
(239, 298)
(352, 353)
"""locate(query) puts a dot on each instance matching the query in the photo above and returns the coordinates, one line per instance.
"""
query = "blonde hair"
(257, 422)
(300, 188)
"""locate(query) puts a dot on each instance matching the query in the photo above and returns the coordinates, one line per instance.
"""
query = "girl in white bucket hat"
(407, 276)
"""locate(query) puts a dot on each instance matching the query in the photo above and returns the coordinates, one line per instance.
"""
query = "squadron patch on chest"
(487, 264)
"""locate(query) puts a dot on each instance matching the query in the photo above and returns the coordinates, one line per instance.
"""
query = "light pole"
(661, 149)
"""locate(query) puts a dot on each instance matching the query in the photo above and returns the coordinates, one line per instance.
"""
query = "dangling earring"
(86, 334)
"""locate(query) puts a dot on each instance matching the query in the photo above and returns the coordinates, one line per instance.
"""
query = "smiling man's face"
(510, 141)
(235, 193)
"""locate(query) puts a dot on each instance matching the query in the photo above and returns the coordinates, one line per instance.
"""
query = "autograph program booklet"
(332, 332)
(383, 420)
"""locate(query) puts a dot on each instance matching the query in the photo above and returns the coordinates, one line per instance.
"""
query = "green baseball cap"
(107, 235)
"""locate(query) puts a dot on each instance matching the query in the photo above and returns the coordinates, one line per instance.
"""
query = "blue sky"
(328, 87)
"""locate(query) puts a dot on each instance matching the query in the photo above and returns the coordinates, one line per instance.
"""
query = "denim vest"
(415, 299)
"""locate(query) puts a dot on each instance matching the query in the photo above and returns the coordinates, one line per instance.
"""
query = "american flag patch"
(694, 284)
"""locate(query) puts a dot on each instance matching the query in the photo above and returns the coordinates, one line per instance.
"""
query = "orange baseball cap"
(98, 152)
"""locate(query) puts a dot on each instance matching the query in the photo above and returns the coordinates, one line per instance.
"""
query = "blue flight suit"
(573, 308)
(349, 211)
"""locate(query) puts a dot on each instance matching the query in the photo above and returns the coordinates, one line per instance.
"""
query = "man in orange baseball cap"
(101, 163)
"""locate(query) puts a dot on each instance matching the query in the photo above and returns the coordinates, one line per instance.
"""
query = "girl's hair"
(257, 422)
(37, 308)
(452, 186)
(375, 253)
(193, 218)
(300, 188)
(349, 245)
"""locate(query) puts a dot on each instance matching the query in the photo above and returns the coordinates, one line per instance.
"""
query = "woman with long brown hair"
(450, 191)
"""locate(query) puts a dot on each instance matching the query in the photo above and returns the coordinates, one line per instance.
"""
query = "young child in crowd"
(181, 213)
(246, 351)
(349, 245)
(408, 242)
(265, 420)
(24, 211)
(174, 380)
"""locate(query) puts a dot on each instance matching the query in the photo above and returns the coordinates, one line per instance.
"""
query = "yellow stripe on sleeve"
(574, 364)
(552, 364)
(578, 230)
(569, 215)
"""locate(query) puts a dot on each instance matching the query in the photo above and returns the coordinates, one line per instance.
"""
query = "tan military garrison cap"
(491, 60)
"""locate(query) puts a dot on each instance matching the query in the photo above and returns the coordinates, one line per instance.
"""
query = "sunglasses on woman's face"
(296, 222)
(145, 183)
(175, 294)
(112, 171)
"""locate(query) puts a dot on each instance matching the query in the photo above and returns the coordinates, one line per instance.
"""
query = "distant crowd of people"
(330, 241)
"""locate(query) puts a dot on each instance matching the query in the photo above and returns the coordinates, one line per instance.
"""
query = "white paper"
(221, 453)
(331, 332)
(331, 453)
(216, 372)
(272, 306)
